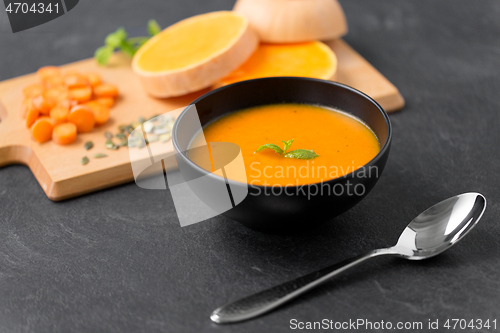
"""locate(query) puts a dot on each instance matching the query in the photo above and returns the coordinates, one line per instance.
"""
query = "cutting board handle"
(10, 151)
(3, 113)
(15, 155)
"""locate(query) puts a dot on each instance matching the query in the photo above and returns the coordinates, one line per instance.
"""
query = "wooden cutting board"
(58, 168)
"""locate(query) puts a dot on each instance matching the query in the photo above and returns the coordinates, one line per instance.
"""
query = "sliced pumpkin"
(285, 21)
(310, 59)
(194, 53)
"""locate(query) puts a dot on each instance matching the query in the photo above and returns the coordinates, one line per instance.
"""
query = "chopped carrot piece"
(55, 81)
(101, 112)
(106, 101)
(41, 104)
(93, 78)
(31, 116)
(81, 95)
(75, 81)
(67, 103)
(25, 106)
(83, 117)
(63, 101)
(47, 71)
(42, 129)
(55, 95)
(71, 71)
(106, 90)
(33, 90)
(59, 114)
(64, 134)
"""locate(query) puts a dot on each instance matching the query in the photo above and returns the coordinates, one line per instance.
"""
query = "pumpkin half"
(311, 59)
(194, 53)
(293, 21)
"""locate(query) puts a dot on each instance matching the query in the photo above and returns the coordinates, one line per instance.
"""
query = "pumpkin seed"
(157, 127)
(129, 129)
(141, 144)
(108, 135)
(162, 130)
(88, 145)
(148, 127)
(84, 160)
(153, 138)
(165, 137)
(99, 155)
(122, 143)
(135, 138)
(110, 145)
(136, 134)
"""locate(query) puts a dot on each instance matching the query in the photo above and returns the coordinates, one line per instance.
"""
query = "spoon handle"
(267, 300)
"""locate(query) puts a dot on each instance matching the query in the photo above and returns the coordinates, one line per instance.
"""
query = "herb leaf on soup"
(270, 146)
(287, 144)
(302, 154)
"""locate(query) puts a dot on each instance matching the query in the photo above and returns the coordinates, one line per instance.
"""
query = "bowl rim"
(383, 150)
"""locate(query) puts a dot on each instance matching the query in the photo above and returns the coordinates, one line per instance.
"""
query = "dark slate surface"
(117, 261)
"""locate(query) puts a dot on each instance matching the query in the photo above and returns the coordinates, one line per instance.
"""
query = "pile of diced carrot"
(65, 103)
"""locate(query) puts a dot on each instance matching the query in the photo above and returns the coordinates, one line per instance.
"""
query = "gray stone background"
(117, 261)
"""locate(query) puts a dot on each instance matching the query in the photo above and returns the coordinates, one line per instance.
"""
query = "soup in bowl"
(311, 149)
(341, 143)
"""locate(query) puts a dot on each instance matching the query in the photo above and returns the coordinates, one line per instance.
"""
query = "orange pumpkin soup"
(343, 143)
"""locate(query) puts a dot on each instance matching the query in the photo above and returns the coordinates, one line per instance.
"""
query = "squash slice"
(194, 53)
(293, 21)
(311, 59)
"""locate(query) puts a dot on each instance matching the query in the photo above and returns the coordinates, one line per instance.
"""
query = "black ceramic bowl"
(284, 213)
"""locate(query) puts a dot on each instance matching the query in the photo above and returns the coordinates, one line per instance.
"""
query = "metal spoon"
(429, 234)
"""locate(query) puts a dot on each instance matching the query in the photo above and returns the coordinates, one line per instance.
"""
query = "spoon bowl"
(432, 232)
(441, 226)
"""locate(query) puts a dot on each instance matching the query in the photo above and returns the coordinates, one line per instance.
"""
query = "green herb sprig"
(119, 40)
(303, 154)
